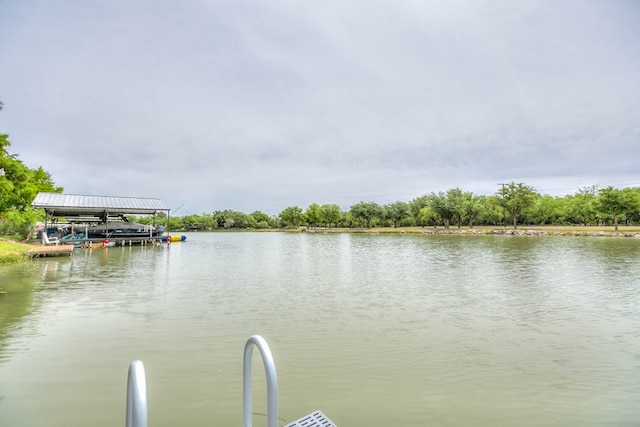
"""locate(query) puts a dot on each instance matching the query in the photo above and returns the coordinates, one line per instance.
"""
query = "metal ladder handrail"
(272, 381)
(137, 391)
(136, 395)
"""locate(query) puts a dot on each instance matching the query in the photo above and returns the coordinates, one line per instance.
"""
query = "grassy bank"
(12, 251)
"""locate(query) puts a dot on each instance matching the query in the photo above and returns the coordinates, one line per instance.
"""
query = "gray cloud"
(262, 105)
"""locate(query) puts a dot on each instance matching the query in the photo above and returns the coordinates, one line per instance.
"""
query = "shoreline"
(541, 230)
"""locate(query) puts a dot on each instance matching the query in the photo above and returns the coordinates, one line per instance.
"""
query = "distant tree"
(261, 216)
(291, 217)
(617, 202)
(366, 212)
(455, 200)
(313, 215)
(472, 206)
(515, 199)
(331, 214)
(633, 215)
(192, 222)
(492, 212)
(208, 221)
(220, 218)
(441, 205)
(239, 219)
(396, 212)
(174, 223)
(260, 220)
(549, 210)
(416, 205)
(427, 216)
(581, 207)
(230, 219)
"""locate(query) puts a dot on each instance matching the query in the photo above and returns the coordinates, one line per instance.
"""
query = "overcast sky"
(264, 104)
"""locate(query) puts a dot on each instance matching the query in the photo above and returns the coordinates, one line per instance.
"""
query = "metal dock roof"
(57, 204)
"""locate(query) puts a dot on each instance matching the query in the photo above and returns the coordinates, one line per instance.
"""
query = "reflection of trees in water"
(614, 264)
(18, 283)
(546, 276)
(613, 252)
(25, 285)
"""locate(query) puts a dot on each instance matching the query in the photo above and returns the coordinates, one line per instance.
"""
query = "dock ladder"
(137, 392)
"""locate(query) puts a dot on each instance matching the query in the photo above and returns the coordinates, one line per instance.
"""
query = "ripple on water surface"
(373, 330)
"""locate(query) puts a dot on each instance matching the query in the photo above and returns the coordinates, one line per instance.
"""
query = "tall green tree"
(239, 219)
(366, 212)
(492, 212)
(262, 220)
(416, 205)
(549, 210)
(192, 222)
(581, 207)
(230, 219)
(313, 215)
(515, 199)
(442, 206)
(220, 218)
(396, 212)
(427, 216)
(455, 199)
(207, 220)
(291, 217)
(633, 215)
(260, 216)
(472, 206)
(616, 202)
(331, 214)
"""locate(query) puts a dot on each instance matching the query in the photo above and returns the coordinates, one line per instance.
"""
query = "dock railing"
(272, 381)
(137, 392)
(136, 395)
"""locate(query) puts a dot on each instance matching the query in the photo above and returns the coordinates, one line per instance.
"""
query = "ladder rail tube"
(272, 381)
(136, 395)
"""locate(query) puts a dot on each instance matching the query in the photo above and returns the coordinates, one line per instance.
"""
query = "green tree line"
(512, 205)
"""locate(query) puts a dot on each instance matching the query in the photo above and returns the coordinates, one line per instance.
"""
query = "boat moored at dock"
(84, 220)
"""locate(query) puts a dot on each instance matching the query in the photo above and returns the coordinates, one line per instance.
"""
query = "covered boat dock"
(106, 215)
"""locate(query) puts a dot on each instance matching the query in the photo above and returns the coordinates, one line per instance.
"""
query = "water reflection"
(17, 300)
(374, 330)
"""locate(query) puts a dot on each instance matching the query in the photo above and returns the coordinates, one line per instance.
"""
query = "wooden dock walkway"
(42, 251)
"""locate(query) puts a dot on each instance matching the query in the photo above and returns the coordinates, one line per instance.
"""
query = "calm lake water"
(373, 330)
